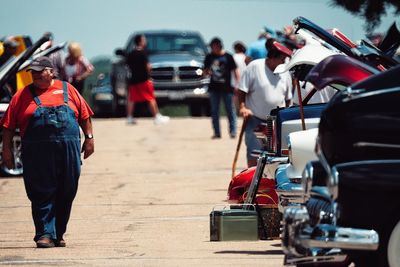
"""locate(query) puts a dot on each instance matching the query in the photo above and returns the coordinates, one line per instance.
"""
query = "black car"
(177, 69)
(353, 208)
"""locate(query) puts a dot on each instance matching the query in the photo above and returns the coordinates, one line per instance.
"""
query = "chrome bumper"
(331, 256)
(290, 192)
(301, 241)
(197, 93)
(330, 236)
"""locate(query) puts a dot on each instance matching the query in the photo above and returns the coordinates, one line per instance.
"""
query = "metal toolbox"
(234, 223)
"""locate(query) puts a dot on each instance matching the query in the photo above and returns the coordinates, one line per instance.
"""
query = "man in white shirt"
(261, 90)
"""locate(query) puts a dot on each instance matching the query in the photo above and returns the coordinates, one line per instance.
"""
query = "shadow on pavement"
(267, 252)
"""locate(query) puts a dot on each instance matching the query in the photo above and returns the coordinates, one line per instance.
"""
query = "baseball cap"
(283, 49)
(40, 64)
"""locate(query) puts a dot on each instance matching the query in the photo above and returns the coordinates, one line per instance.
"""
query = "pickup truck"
(177, 69)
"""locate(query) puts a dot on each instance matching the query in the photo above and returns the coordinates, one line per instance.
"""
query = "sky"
(101, 26)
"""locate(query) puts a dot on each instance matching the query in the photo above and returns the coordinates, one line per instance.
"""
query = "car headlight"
(103, 97)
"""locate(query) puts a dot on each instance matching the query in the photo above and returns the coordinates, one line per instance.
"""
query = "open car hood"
(339, 69)
(308, 55)
(364, 52)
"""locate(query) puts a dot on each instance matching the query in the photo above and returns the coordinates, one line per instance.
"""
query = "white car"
(301, 146)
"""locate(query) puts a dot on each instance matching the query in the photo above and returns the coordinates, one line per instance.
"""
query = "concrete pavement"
(144, 199)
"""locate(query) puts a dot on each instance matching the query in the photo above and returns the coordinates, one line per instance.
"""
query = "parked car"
(281, 122)
(177, 69)
(329, 72)
(352, 208)
(102, 96)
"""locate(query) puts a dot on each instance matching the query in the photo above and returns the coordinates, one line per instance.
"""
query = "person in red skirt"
(141, 88)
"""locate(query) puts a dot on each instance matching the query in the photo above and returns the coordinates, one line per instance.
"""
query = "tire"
(388, 251)
(394, 247)
(207, 109)
(195, 109)
(16, 149)
(315, 206)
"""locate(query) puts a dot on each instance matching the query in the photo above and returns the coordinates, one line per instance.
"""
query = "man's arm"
(7, 154)
(243, 110)
(148, 66)
(88, 144)
(237, 77)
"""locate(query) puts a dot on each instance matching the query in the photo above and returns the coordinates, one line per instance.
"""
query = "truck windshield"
(167, 43)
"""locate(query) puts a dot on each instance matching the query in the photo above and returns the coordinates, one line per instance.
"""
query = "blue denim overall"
(52, 165)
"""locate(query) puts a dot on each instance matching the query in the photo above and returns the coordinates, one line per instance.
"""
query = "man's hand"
(88, 148)
(245, 112)
(7, 154)
(88, 144)
(8, 158)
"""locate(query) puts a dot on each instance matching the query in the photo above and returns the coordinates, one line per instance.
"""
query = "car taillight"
(266, 133)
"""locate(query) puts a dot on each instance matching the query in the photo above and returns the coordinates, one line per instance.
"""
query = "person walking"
(140, 87)
(261, 90)
(219, 65)
(48, 114)
(76, 67)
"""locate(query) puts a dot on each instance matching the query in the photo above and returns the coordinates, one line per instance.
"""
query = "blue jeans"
(51, 157)
(252, 143)
(215, 99)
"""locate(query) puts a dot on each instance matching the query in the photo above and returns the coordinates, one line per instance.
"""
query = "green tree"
(370, 10)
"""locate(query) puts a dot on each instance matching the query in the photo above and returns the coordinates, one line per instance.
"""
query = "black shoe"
(233, 136)
(45, 242)
(60, 243)
(215, 136)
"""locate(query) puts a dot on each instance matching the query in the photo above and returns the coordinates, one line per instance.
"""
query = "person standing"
(76, 67)
(240, 57)
(48, 114)
(219, 65)
(140, 87)
(261, 90)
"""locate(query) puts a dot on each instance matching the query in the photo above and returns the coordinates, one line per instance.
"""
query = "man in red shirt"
(141, 88)
(48, 113)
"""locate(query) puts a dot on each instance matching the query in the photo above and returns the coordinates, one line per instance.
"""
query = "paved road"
(144, 200)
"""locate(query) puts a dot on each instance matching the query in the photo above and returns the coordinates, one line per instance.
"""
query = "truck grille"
(271, 145)
(176, 74)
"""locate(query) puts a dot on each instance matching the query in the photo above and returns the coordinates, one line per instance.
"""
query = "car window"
(172, 43)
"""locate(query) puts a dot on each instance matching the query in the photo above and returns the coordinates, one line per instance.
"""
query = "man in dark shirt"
(141, 88)
(220, 65)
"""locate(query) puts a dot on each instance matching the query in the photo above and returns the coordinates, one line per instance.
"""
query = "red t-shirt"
(22, 105)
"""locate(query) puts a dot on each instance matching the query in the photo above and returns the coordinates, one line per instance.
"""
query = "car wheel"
(16, 149)
(207, 109)
(394, 247)
(195, 109)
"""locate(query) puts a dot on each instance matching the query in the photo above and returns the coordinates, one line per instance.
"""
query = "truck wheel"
(394, 247)
(195, 110)
(207, 109)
